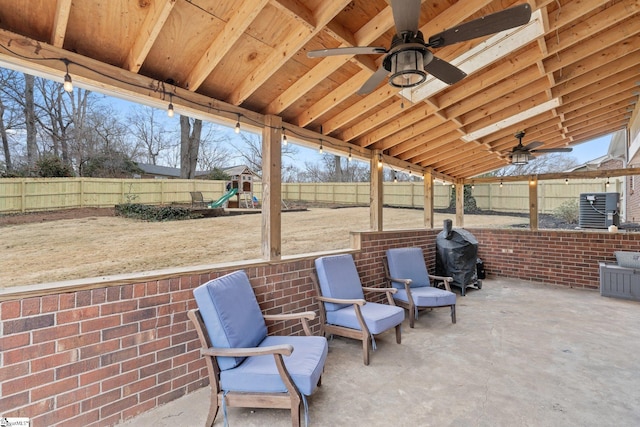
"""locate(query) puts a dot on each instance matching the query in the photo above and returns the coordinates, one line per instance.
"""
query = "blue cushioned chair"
(246, 367)
(343, 309)
(406, 271)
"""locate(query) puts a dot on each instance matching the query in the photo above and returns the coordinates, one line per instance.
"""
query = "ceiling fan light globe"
(519, 159)
(407, 68)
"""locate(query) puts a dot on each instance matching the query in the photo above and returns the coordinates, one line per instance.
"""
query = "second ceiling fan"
(409, 59)
(521, 154)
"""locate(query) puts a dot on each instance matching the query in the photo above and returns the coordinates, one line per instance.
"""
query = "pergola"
(571, 74)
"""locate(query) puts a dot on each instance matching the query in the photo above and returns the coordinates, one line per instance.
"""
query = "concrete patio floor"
(521, 354)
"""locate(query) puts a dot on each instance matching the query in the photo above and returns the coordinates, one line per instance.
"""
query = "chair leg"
(398, 334)
(213, 409)
(365, 350)
(412, 316)
(295, 414)
(453, 313)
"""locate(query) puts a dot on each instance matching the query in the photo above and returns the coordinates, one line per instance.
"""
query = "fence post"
(23, 199)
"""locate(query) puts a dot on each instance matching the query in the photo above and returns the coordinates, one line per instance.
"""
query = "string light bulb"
(395, 177)
(379, 160)
(284, 138)
(170, 111)
(607, 183)
(68, 84)
(320, 148)
(566, 181)
(500, 184)
(349, 158)
(237, 129)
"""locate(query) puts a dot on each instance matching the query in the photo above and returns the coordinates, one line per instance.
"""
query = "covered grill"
(457, 256)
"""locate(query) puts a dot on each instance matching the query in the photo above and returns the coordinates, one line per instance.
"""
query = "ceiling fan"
(409, 58)
(521, 154)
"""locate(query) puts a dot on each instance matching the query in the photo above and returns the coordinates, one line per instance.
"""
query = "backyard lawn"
(83, 243)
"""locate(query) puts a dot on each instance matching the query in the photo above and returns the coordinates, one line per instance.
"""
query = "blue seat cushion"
(378, 317)
(408, 263)
(231, 314)
(338, 278)
(427, 297)
(260, 374)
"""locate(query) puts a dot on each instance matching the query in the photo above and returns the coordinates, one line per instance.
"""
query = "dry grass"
(98, 246)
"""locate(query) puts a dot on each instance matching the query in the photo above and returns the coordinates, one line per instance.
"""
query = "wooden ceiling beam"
(613, 93)
(616, 111)
(239, 21)
(148, 33)
(605, 75)
(589, 28)
(429, 140)
(415, 135)
(592, 52)
(296, 11)
(328, 65)
(415, 120)
(296, 40)
(60, 20)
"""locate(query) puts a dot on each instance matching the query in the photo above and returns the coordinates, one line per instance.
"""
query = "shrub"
(569, 211)
(153, 213)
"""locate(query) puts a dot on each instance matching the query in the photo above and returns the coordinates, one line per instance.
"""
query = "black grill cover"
(457, 255)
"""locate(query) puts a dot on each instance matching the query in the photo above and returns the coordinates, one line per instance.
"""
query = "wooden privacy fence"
(39, 194)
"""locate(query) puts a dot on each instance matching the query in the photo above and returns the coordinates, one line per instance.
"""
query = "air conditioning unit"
(599, 210)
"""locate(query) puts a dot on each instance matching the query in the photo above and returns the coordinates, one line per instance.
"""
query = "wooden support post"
(376, 193)
(428, 199)
(533, 202)
(271, 188)
(459, 203)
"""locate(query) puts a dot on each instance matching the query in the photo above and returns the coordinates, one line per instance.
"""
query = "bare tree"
(213, 152)
(251, 151)
(150, 134)
(190, 133)
(326, 170)
(30, 119)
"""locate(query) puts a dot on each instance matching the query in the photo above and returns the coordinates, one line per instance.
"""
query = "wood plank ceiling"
(577, 78)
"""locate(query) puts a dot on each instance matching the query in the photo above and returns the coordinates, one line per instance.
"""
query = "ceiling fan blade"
(553, 150)
(490, 24)
(444, 71)
(532, 145)
(356, 50)
(373, 82)
(406, 15)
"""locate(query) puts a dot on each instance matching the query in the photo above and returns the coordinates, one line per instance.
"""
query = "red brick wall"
(99, 356)
(568, 258)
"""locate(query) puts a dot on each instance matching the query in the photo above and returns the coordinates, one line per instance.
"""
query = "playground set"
(240, 186)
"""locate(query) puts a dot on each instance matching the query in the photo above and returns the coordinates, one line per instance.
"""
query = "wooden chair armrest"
(304, 318)
(283, 349)
(445, 280)
(342, 301)
(308, 315)
(403, 281)
(389, 290)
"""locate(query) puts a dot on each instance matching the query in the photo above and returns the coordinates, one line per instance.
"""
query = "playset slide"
(222, 200)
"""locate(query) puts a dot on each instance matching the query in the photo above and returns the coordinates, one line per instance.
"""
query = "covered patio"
(521, 354)
(102, 350)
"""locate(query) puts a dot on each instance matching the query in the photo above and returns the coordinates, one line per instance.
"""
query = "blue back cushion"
(231, 314)
(338, 278)
(408, 263)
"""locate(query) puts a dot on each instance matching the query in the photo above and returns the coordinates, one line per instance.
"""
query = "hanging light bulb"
(566, 181)
(379, 160)
(284, 138)
(237, 129)
(68, 84)
(500, 184)
(395, 177)
(349, 158)
(170, 108)
(473, 186)
(320, 148)
(607, 183)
